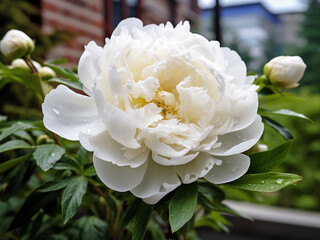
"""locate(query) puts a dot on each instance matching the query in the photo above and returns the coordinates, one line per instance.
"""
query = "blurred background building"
(257, 29)
(253, 28)
(96, 19)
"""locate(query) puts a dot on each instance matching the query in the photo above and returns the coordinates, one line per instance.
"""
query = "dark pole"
(108, 17)
(173, 6)
(217, 23)
(139, 10)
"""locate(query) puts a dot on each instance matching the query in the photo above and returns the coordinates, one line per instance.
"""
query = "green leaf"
(64, 72)
(67, 82)
(183, 205)
(56, 61)
(156, 231)
(130, 213)
(72, 197)
(24, 136)
(14, 144)
(285, 133)
(55, 184)
(18, 126)
(47, 155)
(265, 182)
(67, 163)
(208, 188)
(22, 76)
(274, 100)
(93, 228)
(204, 201)
(140, 220)
(34, 202)
(83, 156)
(285, 112)
(90, 172)
(13, 162)
(266, 161)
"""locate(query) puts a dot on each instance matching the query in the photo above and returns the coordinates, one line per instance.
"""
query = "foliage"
(49, 187)
(311, 49)
(303, 159)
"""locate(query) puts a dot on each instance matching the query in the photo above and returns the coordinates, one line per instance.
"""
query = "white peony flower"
(16, 44)
(285, 71)
(164, 107)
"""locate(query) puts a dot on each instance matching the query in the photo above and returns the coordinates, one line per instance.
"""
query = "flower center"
(166, 101)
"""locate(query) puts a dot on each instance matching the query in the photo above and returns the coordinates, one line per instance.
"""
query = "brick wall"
(94, 20)
(85, 18)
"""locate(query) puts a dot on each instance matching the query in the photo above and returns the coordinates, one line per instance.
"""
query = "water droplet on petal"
(85, 120)
(218, 162)
(88, 130)
(52, 154)
(234, 170)
(56, 111)
(279, 181)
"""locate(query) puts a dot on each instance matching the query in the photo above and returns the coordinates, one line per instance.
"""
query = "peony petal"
(231, 168)
(88, 65)
(107, 149)
(173, 161)
(239, 141)
(118, 178)
(115, 79)
(121, 126)
(156, 180)
(68, 113)
(195, 102)
(245, 111)
(235, 66)
(197, 168)
(164, 149)
(146, 115)
(166, 188)
(130, 24)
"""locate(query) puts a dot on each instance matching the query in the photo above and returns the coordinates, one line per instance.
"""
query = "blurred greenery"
(303, 159)
(310, 51)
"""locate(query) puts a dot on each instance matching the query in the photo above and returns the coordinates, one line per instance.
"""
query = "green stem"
(34, 70)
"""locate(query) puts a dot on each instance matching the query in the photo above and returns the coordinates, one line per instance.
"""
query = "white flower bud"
(285, 71)
(46, 73)
(20, 63)
(16, 44)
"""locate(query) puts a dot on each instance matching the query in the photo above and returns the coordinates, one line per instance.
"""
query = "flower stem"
(34, 70)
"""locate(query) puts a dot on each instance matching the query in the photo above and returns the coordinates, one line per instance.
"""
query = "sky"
(275, 6)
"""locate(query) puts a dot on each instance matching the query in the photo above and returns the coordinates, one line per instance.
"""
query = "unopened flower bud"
(285, 71)
(46, 73)
(20, 63)
(16, 44)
